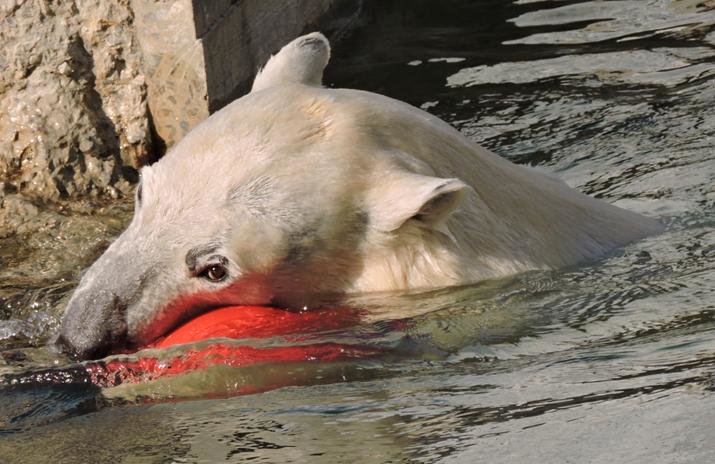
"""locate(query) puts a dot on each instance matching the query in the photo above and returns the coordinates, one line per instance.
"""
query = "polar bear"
(295, 192)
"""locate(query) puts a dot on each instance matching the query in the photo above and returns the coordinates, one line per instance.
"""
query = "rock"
(173, 66)
(73, 98)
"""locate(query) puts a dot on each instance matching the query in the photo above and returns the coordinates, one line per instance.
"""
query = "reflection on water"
(610, 362)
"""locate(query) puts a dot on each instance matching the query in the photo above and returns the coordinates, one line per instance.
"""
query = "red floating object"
(258, 322)
(238, 322)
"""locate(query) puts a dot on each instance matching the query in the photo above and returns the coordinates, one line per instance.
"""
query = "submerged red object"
(258, 322)
(238, 322)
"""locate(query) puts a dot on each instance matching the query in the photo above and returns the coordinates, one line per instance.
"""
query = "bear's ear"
(414, 197)
(300, 62)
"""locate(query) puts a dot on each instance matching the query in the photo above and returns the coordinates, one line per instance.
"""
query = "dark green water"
(610, 362)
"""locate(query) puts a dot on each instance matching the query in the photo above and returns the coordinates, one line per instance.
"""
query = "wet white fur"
(338, 147)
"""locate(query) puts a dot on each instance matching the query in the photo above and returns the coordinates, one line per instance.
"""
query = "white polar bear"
(295, 192)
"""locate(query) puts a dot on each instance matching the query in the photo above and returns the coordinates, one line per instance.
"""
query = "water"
(608, 362)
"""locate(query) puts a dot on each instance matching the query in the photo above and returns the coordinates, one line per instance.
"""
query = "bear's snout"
(93, 325)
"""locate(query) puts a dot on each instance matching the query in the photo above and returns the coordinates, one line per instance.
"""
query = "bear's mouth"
(175, 315)
(183, 308)
(249, 321)
(186, 309)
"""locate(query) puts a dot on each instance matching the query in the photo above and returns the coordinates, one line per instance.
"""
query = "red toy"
(238, 322)
(258, 322)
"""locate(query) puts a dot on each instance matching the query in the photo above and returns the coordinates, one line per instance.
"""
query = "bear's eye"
(214, 273)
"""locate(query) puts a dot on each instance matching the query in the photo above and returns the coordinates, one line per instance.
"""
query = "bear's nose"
(63, 345)
(81, 352)
(93, 324)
